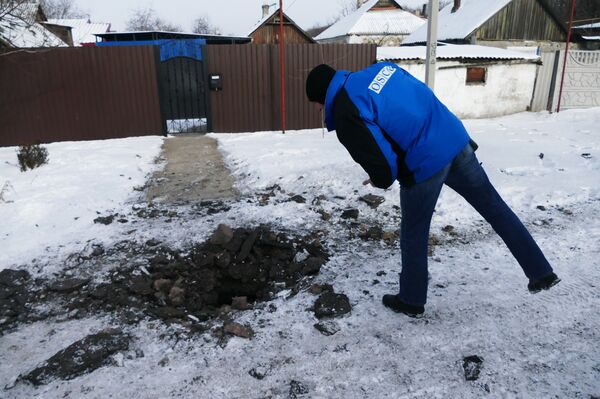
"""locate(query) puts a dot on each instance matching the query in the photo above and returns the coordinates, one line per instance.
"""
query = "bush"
(31, 156)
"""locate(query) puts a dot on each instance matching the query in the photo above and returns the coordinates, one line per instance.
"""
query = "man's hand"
(368, 183)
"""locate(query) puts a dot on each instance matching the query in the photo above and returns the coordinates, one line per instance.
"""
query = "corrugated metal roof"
(391, 22)
(451, 52)
(83, 30)
(160, 35)
(460, 24)
(365, 21)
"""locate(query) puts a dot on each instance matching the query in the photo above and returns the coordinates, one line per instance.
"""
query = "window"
(476, 75)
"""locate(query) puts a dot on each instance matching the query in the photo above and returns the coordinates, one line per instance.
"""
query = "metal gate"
(582, 80)
(183, 93)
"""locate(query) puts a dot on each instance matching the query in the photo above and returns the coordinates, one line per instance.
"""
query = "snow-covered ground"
(533, 346)
(55, 205)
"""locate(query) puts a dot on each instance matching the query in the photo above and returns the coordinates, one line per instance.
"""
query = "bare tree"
(348, 7)
(145, 19)
(202, 25)
(10, 7)
(61, 9)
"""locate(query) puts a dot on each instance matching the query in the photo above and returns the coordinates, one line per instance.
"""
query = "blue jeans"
(465, 176)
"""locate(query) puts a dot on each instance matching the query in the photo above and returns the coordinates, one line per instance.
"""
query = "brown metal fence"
(251, 96)
(112, 92)
(78, 94)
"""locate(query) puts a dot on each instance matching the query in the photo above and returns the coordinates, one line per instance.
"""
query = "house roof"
(265, 19)
(584, 9)
(158, 35)
(460, 24)
(20, 29)
(588, 26)
(365, 21)
(83, 30)
(28, 11)
(411, 4)
(452, 52)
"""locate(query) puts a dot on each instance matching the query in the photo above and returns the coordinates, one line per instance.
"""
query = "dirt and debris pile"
(234, 268)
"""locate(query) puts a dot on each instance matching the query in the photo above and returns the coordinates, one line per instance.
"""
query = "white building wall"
(508, 88)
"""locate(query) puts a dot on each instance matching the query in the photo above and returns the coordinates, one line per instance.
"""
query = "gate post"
(205, 63)
(161, 100)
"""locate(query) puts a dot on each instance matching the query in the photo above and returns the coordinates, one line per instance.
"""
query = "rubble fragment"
(81, 357)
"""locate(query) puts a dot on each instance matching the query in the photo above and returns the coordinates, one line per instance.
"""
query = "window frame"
(481, 79)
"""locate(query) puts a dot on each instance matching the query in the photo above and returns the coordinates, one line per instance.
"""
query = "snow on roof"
(460, 24)
(452, 52)
(395, 22)
(22, 34)
(363, 21)
(83, 30)
(588, 26)
(260, 22)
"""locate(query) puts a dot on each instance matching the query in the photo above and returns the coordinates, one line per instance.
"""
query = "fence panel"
(582, 80)
(543, 83)
(84, 93)
(251, 96)
(111, 92)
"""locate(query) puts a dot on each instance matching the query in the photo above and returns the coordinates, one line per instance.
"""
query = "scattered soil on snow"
(233, 269)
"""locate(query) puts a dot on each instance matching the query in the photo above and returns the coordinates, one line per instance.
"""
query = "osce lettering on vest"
(382, 78)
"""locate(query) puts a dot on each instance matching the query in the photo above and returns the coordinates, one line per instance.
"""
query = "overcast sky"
(231, 16)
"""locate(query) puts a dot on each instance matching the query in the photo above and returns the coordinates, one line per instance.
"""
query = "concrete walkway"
(194, 171)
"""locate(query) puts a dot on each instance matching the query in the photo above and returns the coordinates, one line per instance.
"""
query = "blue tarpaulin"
(169, 48)
(181, 48)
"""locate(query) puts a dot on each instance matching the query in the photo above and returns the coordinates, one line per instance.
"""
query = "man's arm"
(366, 143)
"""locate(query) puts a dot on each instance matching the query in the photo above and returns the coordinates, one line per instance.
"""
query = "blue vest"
(411, 127)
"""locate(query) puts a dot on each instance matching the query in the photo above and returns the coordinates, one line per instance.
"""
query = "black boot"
(543, 284)
(394, 303)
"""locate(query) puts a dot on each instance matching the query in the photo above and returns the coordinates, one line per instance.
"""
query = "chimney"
(456, 5)
(265, 9)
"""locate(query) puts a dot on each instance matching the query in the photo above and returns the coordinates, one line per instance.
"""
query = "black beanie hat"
(318, 81)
